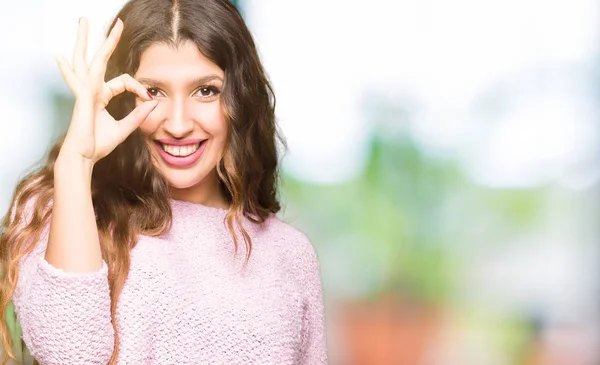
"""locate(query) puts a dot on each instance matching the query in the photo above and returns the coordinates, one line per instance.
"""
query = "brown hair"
(129, 195)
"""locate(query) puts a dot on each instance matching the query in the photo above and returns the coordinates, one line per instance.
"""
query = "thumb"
(136, 117)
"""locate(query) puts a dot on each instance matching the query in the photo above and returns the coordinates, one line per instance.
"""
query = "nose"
(178, 122)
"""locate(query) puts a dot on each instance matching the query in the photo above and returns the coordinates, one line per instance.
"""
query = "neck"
(206, 192)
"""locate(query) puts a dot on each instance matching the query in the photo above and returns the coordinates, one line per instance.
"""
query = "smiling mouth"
(179, 151)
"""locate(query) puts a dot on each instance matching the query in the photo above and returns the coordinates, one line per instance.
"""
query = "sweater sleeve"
(65, 317)
(314, 347)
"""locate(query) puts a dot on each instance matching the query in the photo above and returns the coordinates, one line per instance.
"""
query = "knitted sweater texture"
(187, 300)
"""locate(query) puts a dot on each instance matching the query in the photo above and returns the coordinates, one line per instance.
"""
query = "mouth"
(180, 154)
(180, 150)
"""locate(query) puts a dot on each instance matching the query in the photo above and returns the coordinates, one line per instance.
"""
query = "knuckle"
(129, 80)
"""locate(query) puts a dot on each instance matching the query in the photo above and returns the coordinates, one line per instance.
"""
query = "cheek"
(146, 129)
(212, 120)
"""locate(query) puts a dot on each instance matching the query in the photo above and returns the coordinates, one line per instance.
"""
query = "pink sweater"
(187, 300)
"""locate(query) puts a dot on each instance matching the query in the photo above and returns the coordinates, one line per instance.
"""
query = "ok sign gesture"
(93, 133)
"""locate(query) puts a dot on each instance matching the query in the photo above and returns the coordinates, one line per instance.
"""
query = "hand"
(93, 133)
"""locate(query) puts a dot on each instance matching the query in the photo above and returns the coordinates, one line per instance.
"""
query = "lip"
(180, 142)
(180, 162)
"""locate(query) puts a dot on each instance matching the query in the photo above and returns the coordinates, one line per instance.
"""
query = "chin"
(177, 181)
(185, 179)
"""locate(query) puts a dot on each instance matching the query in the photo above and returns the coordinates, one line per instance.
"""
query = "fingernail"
(149, 95)
(115, 22)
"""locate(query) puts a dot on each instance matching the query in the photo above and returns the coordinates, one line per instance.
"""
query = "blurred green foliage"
(395, 209)
(408, 215)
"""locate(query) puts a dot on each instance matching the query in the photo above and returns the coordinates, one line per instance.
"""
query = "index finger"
(126, 82)
(98, 66)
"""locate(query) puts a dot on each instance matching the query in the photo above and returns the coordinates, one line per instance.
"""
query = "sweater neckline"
(190, 207)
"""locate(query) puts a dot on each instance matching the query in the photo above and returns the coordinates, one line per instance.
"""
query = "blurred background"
(443, 159)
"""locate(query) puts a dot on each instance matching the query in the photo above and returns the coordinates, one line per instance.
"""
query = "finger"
(136, 117)
(100, 60)
(125, 82)
(79, 63)
(67, 72)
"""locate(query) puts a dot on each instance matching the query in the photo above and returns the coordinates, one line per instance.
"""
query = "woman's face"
(187, 131)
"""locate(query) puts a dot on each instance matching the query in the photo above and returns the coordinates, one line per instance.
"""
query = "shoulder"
(285, 233)
(29, 215)
(290, 242)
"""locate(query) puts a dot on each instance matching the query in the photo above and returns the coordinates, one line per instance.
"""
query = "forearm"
(73, 243)
(62, 297)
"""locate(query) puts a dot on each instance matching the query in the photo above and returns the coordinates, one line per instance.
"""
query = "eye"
(207, 92)
(153, 91)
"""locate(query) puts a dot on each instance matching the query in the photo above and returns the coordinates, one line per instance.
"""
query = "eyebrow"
(197, 81)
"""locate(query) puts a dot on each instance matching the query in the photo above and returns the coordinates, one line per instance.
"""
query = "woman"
(125, 247)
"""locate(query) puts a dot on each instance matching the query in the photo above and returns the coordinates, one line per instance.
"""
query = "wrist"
(67, 161)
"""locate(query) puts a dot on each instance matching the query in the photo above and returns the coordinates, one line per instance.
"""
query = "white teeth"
(180, 151)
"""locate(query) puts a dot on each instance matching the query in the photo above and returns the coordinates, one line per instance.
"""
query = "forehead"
(162, 60)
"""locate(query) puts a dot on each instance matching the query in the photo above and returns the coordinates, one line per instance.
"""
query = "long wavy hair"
(129, 195)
